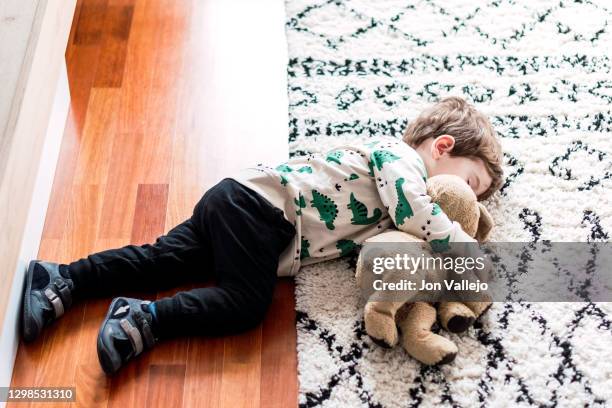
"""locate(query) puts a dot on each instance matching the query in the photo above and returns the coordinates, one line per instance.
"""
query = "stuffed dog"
(415, 319)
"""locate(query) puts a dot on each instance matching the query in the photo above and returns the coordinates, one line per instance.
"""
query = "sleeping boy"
(267, 222)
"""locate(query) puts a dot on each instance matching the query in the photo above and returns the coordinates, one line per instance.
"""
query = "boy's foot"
(126, 332)
(47, 296)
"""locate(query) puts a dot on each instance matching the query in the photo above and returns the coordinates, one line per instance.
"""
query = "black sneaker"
(47, 296)
(126, 332)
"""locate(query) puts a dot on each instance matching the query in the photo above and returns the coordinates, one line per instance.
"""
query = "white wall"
(33, 232)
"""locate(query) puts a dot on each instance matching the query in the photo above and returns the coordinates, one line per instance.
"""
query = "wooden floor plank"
(140, 54)
(98, 135)
(89, 22)
(92, 385)
(120, 193)
(129, 387)
(81, 64)
(116, 29)
(241, 375)
(278, 355)
(165, 385)
(204, 373)
(150, 213)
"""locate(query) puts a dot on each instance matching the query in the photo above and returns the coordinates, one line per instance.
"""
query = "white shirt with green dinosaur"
(338, 200)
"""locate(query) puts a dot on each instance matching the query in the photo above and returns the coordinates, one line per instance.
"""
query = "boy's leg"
(176, 257)
(246, 235)
(50, 288)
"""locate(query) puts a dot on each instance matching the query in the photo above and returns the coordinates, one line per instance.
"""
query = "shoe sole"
(109, 366)
(30, 327)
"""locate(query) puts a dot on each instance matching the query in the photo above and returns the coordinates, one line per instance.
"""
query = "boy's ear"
(485, 224)
(442, 144)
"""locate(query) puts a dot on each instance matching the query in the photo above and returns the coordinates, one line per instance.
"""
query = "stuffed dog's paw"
(380, 325)
(415, 323)
(455, 317)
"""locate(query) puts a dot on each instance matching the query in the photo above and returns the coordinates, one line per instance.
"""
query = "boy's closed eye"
(474, 183)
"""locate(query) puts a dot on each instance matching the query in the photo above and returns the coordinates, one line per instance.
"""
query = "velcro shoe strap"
(133, 334)
(56, 302)
(63, 291)
(146, 332)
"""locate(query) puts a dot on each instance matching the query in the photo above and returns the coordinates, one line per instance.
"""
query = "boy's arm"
(400, 179)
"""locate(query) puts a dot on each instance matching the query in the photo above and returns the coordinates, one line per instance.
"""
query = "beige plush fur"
(415, 318)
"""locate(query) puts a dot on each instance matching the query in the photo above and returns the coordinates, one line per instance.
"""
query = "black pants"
(234, 236)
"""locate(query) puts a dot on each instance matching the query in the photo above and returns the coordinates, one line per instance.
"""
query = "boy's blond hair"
(473, 133)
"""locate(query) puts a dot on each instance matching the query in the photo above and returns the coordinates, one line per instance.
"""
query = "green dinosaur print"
(436, 209)
(440, 245)
(378, 158)
(360, 212)
(402, 209)
(346, 246)
(334, 156)
(301, 203)
(305, 244)
(283, 180)
(353, 176)
(284, 168)
(305, 169)
(372, 144)
(328, 209)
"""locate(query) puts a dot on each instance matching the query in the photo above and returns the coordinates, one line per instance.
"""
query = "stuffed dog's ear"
(485, 224)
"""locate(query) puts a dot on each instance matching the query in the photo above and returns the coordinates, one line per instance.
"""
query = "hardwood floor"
(136, 155)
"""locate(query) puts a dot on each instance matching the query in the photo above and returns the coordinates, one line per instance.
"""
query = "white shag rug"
(541, 71)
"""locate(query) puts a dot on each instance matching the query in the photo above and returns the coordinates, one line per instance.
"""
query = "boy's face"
(436, 155)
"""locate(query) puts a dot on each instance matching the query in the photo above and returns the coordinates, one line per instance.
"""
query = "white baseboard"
(9, 340)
